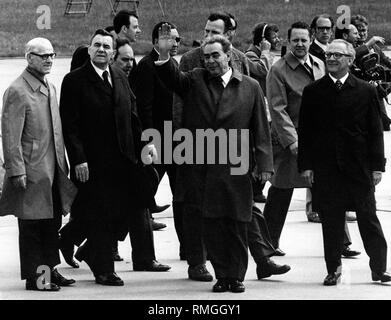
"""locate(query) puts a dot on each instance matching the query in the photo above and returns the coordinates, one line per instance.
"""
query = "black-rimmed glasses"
(337, 55)
(44, 56)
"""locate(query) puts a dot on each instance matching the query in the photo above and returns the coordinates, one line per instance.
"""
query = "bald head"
(40, 54)
(37, 45)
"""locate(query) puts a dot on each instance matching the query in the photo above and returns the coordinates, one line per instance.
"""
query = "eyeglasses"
(337, 55)
(45, 56)
(323, 28)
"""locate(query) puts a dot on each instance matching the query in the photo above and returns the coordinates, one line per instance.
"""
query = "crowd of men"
(312, 124)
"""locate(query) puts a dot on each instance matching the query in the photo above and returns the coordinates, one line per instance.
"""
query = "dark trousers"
(38, 242)
(333, 218)
(257, 187)
(226, 242)
(141, 236)
(259, 240)
(276, 210)
(177, 207)
(97, 251)
(193, 232)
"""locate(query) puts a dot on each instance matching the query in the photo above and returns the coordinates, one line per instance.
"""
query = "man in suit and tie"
(258, 235)
(322, 29)
(102, 133)
(223, 200)
(36, 188)
(284, 86)
(341, 154)
(154, 105)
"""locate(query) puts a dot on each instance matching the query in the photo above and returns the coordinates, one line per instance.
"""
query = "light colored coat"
(284, 88)
(33, 145)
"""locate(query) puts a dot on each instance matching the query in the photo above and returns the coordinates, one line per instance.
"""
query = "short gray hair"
(34, 43)
(348, 45)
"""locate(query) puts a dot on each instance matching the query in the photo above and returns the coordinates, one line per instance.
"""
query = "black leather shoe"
(332, 279)
(158, 209)
(109, 279)
(60, 280)
(236, 286)
(382, 276)
(31, 284)
(221, 285)
(157, 225)
(67, 252)
(279, 252)
(199, 273)
(117, 257)
(154, 266)
(269, 267)
(348, 253)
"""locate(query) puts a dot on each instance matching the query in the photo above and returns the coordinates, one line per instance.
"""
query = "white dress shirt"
(100, 73)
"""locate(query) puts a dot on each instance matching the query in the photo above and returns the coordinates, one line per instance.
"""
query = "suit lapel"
(95, 79)
(226, 107)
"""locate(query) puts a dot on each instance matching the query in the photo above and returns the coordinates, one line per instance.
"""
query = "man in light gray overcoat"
(36, 188)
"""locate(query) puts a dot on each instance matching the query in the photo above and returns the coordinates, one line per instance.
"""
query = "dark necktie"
(309, 69)
(106, 79)
(217, 88)
(338, 85)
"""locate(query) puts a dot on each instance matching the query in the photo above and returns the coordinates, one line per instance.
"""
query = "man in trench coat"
(223, 199)
(36, 188)
(284, 86)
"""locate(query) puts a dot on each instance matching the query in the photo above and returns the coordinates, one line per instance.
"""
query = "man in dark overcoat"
(259, 240)
(102, 134)
(220, 98)
(341, 154)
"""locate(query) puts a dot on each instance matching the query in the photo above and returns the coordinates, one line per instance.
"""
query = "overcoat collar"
(293, 62)
(255, 50)
(235, 75)
(351, 81)
(35, 83)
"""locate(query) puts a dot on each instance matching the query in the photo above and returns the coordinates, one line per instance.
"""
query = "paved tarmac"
(301, 240)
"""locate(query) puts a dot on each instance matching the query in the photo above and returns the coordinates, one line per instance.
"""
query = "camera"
(369, 69)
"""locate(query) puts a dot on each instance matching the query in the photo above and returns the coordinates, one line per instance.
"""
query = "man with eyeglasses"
(322, 29)
(341, 155)
(36, 188)
(154, 105)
